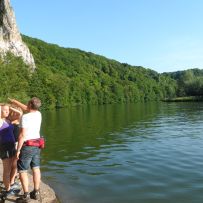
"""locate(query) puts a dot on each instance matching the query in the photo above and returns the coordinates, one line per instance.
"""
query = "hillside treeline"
(189, 82)
(66, 76)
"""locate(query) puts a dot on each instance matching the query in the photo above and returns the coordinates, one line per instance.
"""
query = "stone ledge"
(47, 193)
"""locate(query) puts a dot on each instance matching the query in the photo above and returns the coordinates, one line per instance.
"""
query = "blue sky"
(163, 35)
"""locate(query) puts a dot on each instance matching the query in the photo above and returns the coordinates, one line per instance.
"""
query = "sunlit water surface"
(139, 153)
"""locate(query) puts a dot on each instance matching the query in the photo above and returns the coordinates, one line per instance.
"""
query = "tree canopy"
(67, 76)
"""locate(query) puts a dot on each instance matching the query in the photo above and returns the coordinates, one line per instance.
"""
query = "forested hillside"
(189, 82)
(66, 76)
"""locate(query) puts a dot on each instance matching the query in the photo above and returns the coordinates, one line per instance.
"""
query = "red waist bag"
(40, 142)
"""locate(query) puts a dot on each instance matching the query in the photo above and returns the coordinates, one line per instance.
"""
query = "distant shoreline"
(184, 99)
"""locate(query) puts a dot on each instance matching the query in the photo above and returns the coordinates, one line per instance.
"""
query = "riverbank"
(184, 99)
(47, 193)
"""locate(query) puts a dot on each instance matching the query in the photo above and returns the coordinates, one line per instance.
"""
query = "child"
(14, 117)
(7, 148)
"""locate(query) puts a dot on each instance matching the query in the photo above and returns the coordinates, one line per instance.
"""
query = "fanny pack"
(39, 142)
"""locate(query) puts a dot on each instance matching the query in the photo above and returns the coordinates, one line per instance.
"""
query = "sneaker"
(11, 192)
(35, 194)
(4, 194)
(23, 199)
(16, 186)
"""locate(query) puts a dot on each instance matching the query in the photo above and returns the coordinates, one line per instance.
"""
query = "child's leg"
(7, 164)
(13, 170)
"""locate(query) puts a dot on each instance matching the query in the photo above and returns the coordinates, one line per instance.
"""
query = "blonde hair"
(5, 104)
(17, 108)
(13, 110)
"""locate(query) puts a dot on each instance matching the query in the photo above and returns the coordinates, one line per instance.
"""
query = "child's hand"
(11, 100)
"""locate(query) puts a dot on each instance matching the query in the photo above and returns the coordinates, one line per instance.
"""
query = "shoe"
(4, 194)
(11, 192)
(35, 194)
(16, 186)
(23, 199)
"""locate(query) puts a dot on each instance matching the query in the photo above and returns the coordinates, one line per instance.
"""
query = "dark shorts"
(7, 150)
(29, 158)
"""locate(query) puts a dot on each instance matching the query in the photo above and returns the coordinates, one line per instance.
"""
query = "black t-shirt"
(16, 131)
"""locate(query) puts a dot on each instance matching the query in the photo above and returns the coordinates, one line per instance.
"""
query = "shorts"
(29, 158)
(7, 150)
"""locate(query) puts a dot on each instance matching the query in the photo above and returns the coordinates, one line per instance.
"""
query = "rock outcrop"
(47, 193)
(10, 38)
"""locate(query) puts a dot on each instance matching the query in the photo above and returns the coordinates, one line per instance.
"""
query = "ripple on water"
(153, 160)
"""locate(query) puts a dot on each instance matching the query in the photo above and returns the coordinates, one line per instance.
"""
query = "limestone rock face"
(10, 38)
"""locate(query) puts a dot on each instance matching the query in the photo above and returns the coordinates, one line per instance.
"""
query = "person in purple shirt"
(7, 148)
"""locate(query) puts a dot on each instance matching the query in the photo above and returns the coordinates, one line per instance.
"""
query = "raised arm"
(17, 103)
(14, 115)
(16, 111)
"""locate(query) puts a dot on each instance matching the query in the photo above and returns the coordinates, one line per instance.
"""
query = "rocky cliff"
(10, 38)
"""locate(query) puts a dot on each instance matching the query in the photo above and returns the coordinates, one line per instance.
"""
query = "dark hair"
(34, 103)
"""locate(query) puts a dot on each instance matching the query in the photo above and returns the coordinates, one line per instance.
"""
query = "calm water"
(139, 153)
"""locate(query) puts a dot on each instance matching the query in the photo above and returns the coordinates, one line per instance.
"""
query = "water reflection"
(76, 131)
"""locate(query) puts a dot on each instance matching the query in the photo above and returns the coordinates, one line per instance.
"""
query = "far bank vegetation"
(68, 77)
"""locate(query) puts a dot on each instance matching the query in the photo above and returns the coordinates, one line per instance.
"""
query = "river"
(125, 153)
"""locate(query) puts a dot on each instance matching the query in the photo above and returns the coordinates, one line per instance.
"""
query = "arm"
(20, 142)
(17, 103)
(15, 114)
(16, 111)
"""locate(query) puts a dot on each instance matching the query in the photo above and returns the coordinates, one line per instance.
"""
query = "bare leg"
(36, 178)
(7, 163)
(24, 181)
(13, 171)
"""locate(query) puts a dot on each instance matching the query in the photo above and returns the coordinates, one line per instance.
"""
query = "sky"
(162, 35)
